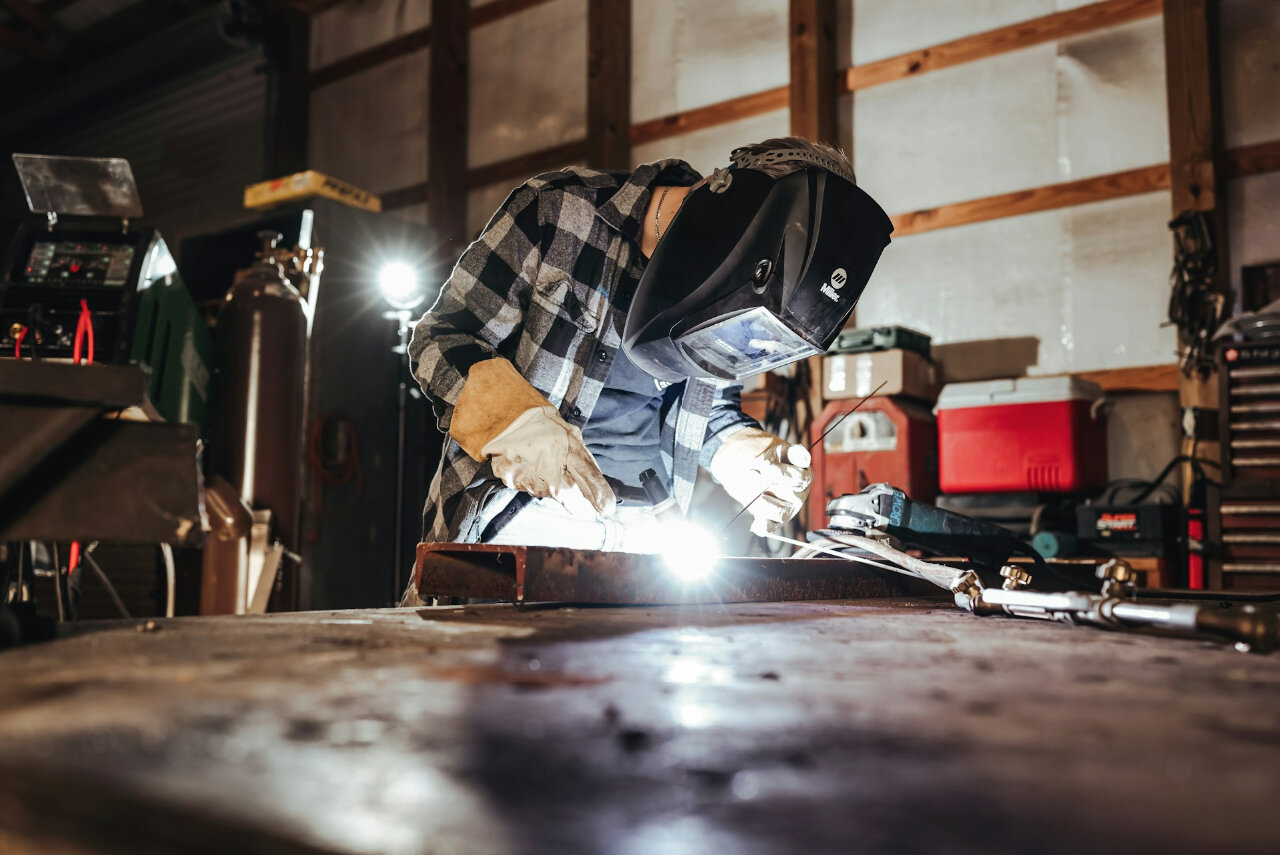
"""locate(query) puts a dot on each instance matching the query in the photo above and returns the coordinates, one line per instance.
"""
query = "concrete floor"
(867, 726)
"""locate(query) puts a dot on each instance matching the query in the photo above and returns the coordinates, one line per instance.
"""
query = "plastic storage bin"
(1040, 434)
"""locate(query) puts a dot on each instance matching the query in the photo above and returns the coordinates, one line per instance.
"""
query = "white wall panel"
(961, 133)
(1088, 282)
(1056, 112)
(709, 148)
(1112, 105)
(528, 81)
(355, 26)
(371, 129)
(884, 28)
(1253, 215)
(1250, 71)
(690, 53)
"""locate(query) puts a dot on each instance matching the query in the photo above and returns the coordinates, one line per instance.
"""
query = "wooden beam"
(1253, 159)
(414, 40)
(497, 10)
(527, 165)
(402, 45)
(609, 84)
(513, 169)
(812, 93)
(1144, 378)
(1025, 34)
(414, 194)
(711, 115)
(1083, 191)
(447, 125)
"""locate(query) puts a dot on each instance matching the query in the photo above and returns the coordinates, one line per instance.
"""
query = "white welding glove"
(767, 474)
(543, 455)
(499, 416)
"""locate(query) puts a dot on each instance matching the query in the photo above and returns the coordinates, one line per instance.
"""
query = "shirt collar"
(625, 209)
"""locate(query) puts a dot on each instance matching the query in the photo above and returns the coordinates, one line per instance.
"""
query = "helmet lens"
(745, 344)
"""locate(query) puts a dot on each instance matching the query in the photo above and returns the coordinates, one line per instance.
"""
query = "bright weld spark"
(690, 552)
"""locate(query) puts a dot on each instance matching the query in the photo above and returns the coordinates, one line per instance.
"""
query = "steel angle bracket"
(555, 574)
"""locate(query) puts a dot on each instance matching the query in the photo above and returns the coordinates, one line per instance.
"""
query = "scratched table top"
(857, 726)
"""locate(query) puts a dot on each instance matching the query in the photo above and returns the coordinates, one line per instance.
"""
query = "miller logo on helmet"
(838, 278)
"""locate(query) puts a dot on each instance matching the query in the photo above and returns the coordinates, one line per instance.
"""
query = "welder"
(599, 327)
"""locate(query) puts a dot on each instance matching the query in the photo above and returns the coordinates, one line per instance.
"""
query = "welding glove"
(500, 417)
(767, 474)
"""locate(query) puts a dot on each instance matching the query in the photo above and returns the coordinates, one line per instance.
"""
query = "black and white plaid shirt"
(547, 285)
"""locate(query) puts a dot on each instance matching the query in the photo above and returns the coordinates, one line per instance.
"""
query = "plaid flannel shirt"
(547, 285)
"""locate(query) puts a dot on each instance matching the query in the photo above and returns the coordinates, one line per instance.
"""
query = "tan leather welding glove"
(500, 417)
(768, 475)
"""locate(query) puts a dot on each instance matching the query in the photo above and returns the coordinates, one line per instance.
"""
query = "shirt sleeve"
(481, 305)
(726, 419)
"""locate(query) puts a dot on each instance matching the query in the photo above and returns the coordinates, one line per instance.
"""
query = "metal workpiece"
(555, 574)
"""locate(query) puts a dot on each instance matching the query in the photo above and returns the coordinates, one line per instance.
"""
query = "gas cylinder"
(257, 445)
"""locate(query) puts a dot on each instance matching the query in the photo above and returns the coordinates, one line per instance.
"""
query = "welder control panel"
(77, 263)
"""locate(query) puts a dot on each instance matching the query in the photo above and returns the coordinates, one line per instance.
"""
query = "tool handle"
(1259, 630)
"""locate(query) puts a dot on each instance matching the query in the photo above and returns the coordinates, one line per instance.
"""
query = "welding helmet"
(755, 272)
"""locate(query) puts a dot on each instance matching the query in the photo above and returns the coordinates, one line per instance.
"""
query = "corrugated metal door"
(193, 144)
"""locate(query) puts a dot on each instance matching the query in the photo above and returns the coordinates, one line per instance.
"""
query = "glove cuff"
(493, 397)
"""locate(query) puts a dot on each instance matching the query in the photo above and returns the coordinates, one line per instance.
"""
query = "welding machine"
(79, 258)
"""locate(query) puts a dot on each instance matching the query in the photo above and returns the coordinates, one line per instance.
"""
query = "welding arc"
(810, 447)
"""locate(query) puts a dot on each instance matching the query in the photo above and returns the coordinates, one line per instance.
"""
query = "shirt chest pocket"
(557, 308)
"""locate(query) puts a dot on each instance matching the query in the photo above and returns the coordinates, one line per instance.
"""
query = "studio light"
(400, 286)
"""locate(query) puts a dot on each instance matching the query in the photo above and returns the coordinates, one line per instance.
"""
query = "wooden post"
(1196, 173)
(287, 46)
(812, 29)
(447, 126)
(609, 84)
(813, 69)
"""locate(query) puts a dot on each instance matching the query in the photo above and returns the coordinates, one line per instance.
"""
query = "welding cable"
(17, 343)
(106, 583)
(938, 574)
(17, 593)
(170, 577)
(84, 333)
(817, 547)
(57, 585)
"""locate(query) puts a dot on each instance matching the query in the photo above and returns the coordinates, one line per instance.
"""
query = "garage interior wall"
(197, 138)
(1077, 288)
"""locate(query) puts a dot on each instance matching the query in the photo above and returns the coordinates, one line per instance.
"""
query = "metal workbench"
(856, 726)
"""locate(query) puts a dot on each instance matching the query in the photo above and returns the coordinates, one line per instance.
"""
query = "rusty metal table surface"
(860, 726)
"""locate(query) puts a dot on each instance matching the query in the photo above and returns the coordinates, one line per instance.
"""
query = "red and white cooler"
(1034, 434)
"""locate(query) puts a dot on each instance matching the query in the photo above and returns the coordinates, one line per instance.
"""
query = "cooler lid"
(1024, 390)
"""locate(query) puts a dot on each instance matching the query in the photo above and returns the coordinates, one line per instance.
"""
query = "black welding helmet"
(755, 272)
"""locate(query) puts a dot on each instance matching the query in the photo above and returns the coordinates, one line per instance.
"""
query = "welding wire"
(810, 447)
(170, 575)
(817, 548)
(106, 583)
